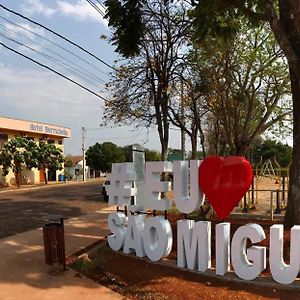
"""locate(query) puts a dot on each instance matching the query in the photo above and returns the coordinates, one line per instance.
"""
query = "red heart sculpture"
(224, 181)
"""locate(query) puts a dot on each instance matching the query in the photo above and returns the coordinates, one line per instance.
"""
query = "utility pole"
(83, 153)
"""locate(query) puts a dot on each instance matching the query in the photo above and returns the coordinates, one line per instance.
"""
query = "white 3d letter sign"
(222, 248)
(193, 246)
(282, 272)
(116, 222)
(155, 186)
(152, 236)
(185, 202)
(240, 256)
(157, 238)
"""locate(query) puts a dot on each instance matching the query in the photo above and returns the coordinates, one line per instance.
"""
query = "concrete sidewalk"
(24, 275)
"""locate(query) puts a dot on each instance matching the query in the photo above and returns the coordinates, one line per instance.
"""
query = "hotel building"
(35, 131)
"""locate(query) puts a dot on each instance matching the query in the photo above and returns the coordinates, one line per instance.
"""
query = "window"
(3, 139)
(29, 138)
(50, 141)
(60, 142)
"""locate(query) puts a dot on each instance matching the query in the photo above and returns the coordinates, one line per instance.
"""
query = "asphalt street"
(28, 209)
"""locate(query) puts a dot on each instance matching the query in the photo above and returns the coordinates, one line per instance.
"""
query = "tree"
(186, 113)
(250, 90)
(152, 155)
(270, 149)
(15, 155)
(47, 156)
(221, 18)
(142, 89)
(102, 156)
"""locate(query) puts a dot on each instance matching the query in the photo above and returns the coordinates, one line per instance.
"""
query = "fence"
(267, 202)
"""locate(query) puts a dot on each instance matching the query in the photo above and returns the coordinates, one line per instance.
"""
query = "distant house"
(74, 168)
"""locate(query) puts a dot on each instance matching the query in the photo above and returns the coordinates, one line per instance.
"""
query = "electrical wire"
(69, 67)
(57, 34)
(124, 137)
(52, 70)
(95, 7)
(53, 43)
(102, 128)
(102, 5)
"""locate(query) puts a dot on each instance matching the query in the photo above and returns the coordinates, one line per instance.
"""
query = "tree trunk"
(292, 216)
(45, 175)
(161, 113)
(241, 150)
(202, 140)
(194, 146)
(163, 153)
(18, 179)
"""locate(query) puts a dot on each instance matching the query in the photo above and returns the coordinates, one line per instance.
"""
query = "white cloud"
(41, 96)
(24, 33)
(25, 29)
(31, 7)
(81, 10)
(36, 89)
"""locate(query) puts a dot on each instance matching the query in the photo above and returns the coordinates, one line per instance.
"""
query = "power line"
(57, 34)
(95, 7)
(102, 5)
(69, 67)
(52, 70)
(57, 45)
(102, 128)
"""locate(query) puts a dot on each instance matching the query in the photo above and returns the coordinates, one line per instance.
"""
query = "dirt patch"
(141, 279)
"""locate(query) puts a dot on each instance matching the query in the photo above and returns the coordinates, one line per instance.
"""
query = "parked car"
(104, 192)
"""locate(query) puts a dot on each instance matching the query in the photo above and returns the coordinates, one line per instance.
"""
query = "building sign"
(152, 236)
(48, 129)
(37, 127)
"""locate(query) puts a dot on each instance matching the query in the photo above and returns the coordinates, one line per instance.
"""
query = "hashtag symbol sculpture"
(121, 187)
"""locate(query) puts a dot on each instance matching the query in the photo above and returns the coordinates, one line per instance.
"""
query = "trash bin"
(54, 242)
(61, 177)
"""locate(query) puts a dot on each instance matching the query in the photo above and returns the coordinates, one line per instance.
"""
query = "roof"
(74, 159)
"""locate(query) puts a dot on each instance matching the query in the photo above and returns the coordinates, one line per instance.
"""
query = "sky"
(30, 92)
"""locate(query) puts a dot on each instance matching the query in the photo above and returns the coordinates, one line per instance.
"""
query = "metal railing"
(264, 202)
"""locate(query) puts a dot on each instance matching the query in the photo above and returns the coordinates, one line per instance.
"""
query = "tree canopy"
(20, 153)
(271, 149)
(48, 156)
(250, 88)
(14, 156)
(101, 156)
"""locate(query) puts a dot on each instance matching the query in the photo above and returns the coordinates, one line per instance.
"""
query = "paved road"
(24, 210)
